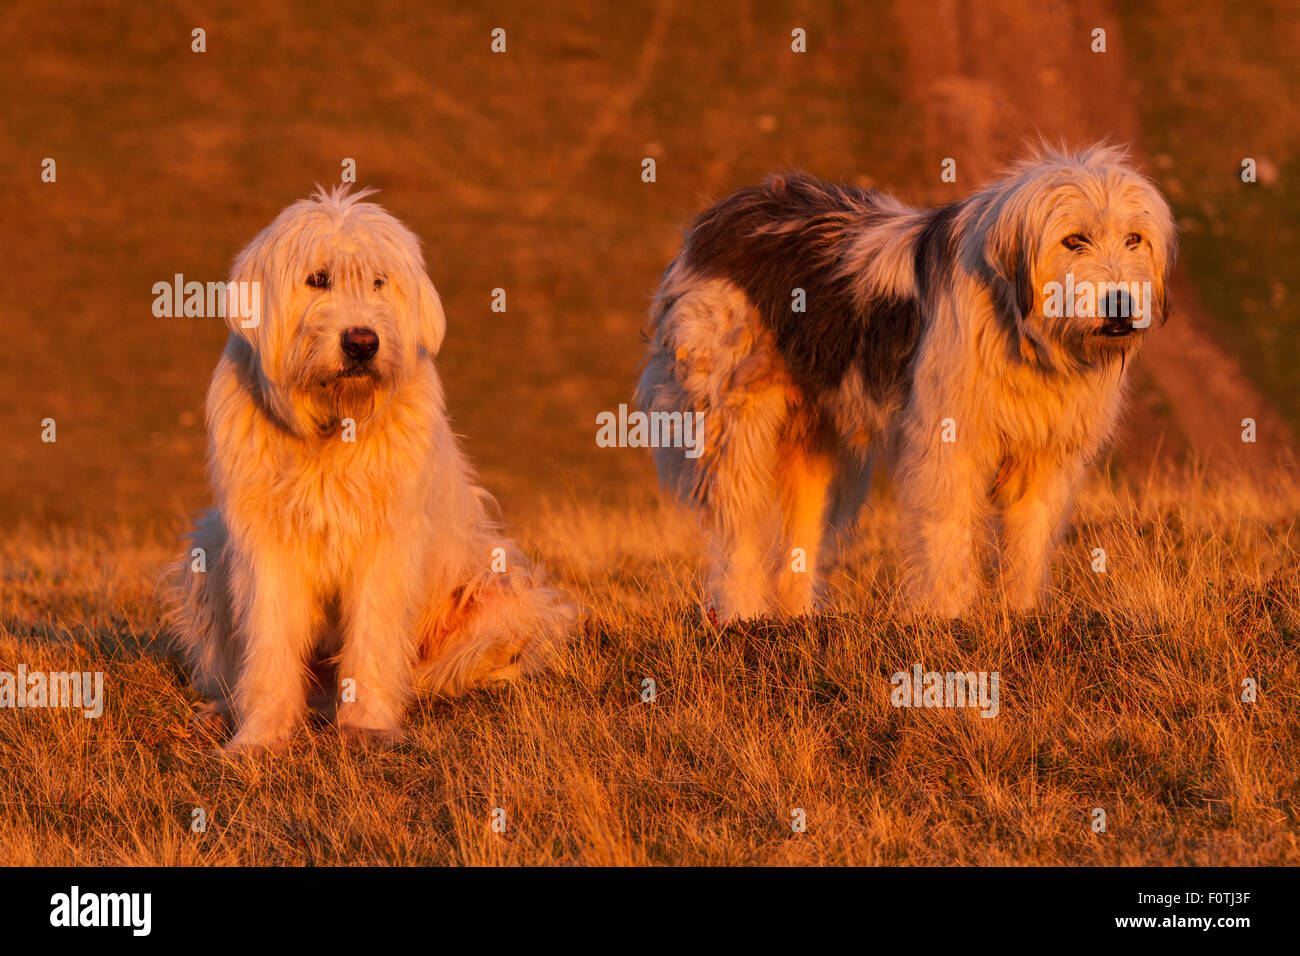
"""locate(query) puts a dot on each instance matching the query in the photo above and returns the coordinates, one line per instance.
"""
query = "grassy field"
(1124, 695)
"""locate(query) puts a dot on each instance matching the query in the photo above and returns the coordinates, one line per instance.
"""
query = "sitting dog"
(349, 536)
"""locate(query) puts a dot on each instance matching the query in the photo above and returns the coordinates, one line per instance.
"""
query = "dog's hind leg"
(742, 516)
(803, 473)
(711, 356)
(496, 626)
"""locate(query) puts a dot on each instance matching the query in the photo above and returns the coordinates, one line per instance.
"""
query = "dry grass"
(1125, 695)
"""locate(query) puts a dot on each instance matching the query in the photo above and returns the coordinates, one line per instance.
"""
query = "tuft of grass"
(1123, 694)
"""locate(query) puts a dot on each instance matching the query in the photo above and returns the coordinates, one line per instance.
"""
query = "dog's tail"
(196, 607)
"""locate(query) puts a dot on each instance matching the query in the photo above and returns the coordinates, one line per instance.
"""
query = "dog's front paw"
(376, 725)
(253, 742)
(1024, 595)
(372, 737)
(1024, 603)
(914, 607)
(259, 734)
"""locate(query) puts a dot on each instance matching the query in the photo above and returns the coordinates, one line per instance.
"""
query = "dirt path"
(986, 74)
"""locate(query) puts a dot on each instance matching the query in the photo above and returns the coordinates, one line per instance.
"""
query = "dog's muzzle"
(1117, 315)
(360, 345)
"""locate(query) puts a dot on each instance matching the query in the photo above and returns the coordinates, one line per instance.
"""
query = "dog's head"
(1079, 248)
(345, 310)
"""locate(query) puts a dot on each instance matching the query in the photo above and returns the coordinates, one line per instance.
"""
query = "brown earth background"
(522, 171)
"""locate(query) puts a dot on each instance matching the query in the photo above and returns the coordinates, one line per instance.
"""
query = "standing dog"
(348, 529)
(982, 344)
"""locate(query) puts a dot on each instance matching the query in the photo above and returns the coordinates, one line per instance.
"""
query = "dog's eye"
(319, 279)
(1075, 241)
(380, 283)
(1133, 240)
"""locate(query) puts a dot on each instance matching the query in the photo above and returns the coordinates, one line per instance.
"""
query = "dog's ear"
(1009, 255)
(432, 321)
(1157, 223)
(1022, 283)
(1012, 272)
(1164, 301)
(250, 293)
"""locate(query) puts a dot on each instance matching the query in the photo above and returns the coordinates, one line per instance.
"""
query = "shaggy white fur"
(349, 543)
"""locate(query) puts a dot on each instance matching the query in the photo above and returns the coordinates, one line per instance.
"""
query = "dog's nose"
(1116, 305)
(360, 344)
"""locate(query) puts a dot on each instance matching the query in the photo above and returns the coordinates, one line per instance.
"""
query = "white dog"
(348, 533)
